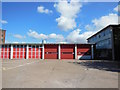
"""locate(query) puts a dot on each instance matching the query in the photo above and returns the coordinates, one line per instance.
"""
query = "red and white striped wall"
(46, 51)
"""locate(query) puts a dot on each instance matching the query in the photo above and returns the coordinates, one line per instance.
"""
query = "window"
(51, 53)
(37, 46)
(14, 46)
(67, 52)
(21, 46)
(99, 36)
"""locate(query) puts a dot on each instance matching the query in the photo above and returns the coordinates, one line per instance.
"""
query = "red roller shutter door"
(67, 51)
(51, 51)
(22, 51)
(35, 52)
(83, 51)
(38, 52)
(16, 52)
(19, 51)
(5, 52)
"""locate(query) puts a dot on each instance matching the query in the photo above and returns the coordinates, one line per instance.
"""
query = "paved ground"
(56, 74)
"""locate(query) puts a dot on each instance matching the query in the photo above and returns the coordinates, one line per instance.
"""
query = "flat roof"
(103, 30)
(43, 43)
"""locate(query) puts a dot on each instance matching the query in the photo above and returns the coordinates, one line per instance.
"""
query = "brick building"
(2, 36)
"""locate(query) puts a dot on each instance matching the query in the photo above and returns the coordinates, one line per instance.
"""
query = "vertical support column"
(23, 52)
(42, 51)
(11, 52)
(59, 52)
(75, 51)
(92, 52)
(27, 51)
(112, 39)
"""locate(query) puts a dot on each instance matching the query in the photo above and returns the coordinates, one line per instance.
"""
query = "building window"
(99, 36)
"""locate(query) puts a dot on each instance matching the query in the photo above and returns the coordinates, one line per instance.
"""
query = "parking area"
(57, 74)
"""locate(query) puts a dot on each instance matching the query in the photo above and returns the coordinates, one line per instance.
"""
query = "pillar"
(75, 51)
(59, 56)
(42, 51)
(92, 52)
(11, 52)
(27, 51)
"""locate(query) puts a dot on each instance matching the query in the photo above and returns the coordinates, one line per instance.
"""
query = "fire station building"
(47, 51)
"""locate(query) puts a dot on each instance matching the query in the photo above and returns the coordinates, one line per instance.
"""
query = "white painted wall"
(11, 54)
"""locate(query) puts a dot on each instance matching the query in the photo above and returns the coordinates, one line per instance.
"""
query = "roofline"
(103, 30)
(43, 43)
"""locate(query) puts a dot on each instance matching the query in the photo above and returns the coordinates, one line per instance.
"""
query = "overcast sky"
(56, 22)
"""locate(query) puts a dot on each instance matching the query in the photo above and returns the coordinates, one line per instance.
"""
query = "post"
(42, 51)
(112, 39)
(59, 57)
(92, 52)
(11, 54)
(75, 51)
(27, 51)
(23, 52)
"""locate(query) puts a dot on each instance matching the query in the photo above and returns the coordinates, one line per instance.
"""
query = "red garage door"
(35, 52)
(67, 51)
(84, 51)
(19, 51)
(51, 51)
(5, 52)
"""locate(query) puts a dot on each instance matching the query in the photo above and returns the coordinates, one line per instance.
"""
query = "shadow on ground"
(101, 65)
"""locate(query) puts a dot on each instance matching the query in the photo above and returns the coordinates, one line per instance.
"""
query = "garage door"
(35, 52)
(84, 51)
(19, 51)
(5, 52)
(67, 51)
(51, 51)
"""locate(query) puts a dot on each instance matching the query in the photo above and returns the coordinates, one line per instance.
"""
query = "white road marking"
(18, 66)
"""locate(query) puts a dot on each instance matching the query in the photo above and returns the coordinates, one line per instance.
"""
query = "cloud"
(36, 35)
(99, 23)
(76, 37)
(19, 36)
(117, 8)
(68, 13)
(3, 21)
(41, 9)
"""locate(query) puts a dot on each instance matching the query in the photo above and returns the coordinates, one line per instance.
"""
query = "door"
(51, 51)
(84, 51)
(67, 51)
(35, 52)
